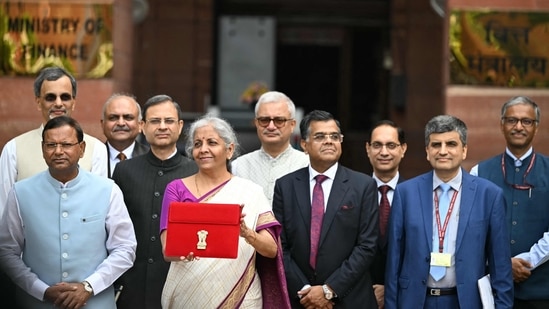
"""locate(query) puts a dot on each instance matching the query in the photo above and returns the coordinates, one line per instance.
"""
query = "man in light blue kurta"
(65, 235)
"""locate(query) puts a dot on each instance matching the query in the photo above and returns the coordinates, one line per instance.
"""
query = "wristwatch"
(327, 292)
(87, 287)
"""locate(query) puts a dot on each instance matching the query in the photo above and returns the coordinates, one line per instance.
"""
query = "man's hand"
(379, 292)
(313, 298)
(54, 291)
(521, 269)
(67, 295)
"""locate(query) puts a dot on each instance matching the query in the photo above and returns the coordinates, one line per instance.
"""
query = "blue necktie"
(438, 272)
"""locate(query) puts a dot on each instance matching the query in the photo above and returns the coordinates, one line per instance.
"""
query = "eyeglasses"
(334, 137)
(51, 97)
(512, 121)
(64, 146)
(379, 146)
(279, 122)
(158, 121)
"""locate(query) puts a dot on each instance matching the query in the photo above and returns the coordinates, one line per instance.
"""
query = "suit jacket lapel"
(108, 161)
(303, 196)
(337, 193)
(468, 192)
(425, 190)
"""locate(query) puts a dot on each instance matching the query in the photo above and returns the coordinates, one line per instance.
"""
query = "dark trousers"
(7, 292)
(442, 302)
(530, 304)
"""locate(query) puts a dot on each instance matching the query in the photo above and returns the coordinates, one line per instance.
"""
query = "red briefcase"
(208, 230)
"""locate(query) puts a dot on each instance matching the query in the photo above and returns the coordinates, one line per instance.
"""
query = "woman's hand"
(189, 258)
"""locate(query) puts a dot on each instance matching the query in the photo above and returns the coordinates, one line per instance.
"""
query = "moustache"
(518, 132)
(118, 129)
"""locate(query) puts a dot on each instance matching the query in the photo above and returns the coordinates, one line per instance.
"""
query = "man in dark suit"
(436, 257)
(143, 180)
(385, 148)
(343, 234)
(120, 122)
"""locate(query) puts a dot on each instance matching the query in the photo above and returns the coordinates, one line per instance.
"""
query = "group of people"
(85, 223)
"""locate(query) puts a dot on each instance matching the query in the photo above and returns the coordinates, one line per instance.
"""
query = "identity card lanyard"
(525, 185)
(442, 231)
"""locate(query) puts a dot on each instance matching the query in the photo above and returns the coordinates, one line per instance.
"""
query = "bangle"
(253, 241)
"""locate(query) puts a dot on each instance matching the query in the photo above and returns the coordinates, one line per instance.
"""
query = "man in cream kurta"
(275, 121)
(55, 95)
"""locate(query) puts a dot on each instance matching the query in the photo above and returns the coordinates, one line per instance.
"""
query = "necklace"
(196, 184)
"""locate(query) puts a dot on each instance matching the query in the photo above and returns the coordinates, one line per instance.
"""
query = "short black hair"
(60, 121)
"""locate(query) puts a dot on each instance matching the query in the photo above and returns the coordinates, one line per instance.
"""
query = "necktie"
(384, 209)
(121, 156)
(438, 272)
(317, 213)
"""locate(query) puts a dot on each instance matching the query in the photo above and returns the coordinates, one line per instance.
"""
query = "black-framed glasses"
(512, 121)
(379, 146)
(279, 122)
(333, 137)
(51, 97)
(158, 121)
(64, 145)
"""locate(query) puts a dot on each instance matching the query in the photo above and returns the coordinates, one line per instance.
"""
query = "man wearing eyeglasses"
(55, 95)
(385, 148)
(446, 231)
(66, 235)
(329, 218)
(143, 180)
(274, 122)
(523, 174)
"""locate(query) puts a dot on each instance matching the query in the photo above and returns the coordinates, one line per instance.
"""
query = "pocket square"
(346, 207)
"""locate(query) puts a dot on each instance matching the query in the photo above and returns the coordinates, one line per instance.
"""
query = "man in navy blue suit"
(436, 256)
(336, 272)
(385, 148)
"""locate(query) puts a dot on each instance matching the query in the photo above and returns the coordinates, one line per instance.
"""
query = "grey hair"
(53, 74)
(443, 124)
(274, 97)
(221, 126)
(521, 100)
(120, 95)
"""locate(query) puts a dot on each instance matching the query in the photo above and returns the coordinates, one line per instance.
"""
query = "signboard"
(507, 49)
(76, 35)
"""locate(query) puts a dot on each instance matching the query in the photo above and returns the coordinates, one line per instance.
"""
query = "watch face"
(87, 287)
(327, 293)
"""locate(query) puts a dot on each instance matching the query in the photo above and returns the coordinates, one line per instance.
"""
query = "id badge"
(441, 259)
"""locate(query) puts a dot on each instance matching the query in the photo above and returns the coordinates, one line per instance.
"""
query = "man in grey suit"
(120, 123)
(447, 229)
(329, 226)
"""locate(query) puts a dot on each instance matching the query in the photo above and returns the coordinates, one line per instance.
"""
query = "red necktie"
(384, 209)
(317, 213)
(121, 156)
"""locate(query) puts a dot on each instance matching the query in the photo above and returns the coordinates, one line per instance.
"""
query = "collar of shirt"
(391, 183)
(455, 182)
(329, 172)
(113, 152)
(524, 156)
(282, 154)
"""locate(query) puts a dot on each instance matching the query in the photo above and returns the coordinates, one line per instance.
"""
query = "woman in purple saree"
(256, 278)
